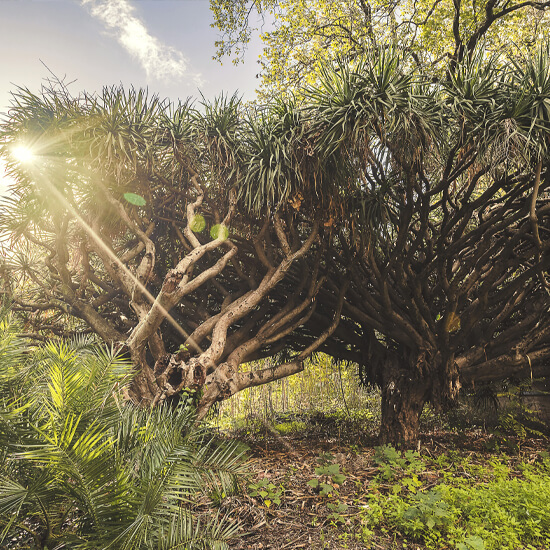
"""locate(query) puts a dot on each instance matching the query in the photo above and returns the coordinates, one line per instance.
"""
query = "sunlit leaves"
(305, 35)
(178, 126)
(126, 124)
(219, 128)
(106, 474)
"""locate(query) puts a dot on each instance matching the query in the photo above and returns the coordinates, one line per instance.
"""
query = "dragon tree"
(176, 234)
(447, 243)
(390, 219)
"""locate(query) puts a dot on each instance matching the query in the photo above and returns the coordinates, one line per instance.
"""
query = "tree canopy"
(387, 219)
(448, 261)
(300, 37)
(165, 229)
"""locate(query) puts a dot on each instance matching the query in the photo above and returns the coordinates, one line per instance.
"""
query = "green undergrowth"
(343, 426)
(325, 393)
(459, 502)
(285, 428)
(81, 469)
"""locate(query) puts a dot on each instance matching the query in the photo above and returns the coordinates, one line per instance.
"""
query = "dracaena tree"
(192, 237)
(447, 241)
(417, 209)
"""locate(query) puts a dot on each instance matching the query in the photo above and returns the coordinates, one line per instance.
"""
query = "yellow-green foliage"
(521, 28)
(285, 428)
(301, 35)
(472, 507)
(319, 388)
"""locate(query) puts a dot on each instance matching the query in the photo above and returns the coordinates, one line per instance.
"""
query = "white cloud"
(159, 60)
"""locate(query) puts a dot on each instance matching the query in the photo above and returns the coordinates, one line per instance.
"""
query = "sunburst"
(23, 154)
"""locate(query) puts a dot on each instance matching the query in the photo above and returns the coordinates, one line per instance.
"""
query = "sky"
(164, 45)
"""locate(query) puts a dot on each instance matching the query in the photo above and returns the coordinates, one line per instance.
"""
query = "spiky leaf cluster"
(80, 468)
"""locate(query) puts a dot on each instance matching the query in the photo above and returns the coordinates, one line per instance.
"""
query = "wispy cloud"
(159, 60)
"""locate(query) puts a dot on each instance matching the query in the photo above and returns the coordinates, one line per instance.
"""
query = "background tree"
(300, 37)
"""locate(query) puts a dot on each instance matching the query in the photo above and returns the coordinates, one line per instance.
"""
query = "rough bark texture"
(205, 241)
(403, 399)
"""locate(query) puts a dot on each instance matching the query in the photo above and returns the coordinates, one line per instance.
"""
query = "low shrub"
(486, 508)
(286, 428)
(82, 469)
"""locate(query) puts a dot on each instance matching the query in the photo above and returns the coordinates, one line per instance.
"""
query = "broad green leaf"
(339, 478)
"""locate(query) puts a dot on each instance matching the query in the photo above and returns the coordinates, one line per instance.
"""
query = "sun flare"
(23, 154)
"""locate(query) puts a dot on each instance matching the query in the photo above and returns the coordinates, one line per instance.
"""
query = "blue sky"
(165, 45)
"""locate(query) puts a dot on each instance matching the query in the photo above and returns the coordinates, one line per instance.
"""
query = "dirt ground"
(304, 519)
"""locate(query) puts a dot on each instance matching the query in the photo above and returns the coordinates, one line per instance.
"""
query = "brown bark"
(534, 364)
(242, 322)
(404, 395)
(225, 381)
(408, 380)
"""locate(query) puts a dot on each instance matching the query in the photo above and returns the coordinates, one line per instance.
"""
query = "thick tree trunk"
(143, 387)
(404, 393)
(408, 382)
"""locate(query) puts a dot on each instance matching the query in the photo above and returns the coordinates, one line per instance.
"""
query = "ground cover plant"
(80, 468)
(452, 494)
(471, 506)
